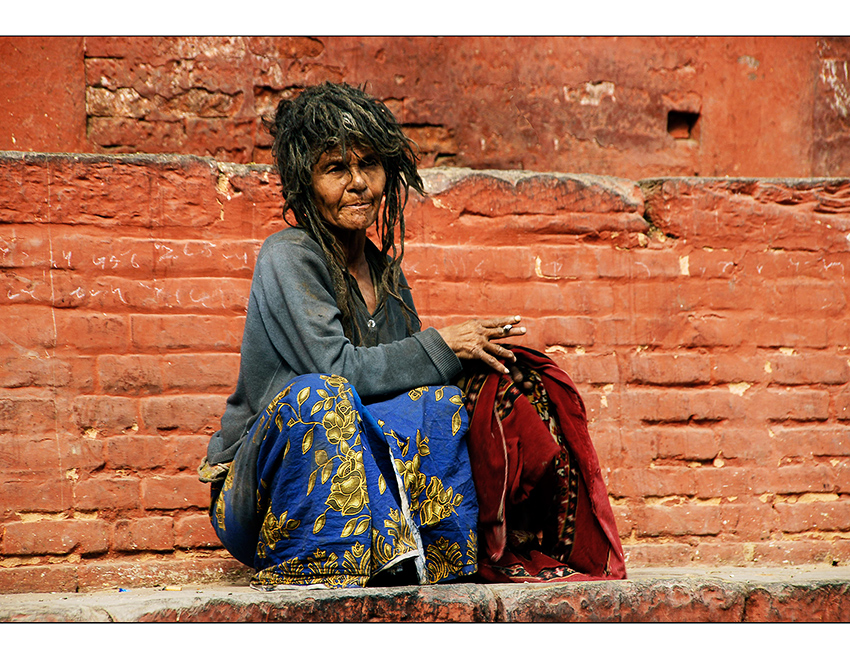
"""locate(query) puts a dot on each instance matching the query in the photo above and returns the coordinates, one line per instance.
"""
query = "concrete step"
(799, 593)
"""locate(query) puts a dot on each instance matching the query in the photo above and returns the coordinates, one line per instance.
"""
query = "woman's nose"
(358, 181)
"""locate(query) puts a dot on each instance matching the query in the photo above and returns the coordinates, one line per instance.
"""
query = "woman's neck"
(353, 244)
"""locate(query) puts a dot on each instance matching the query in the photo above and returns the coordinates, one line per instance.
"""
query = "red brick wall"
(705, 322)
(761, 106)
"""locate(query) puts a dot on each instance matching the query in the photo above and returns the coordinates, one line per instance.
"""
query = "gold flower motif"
(443, 560)
(275, 529)
(357, 560)
(348, 486)
(439, 503)
(334, 380)
(413, 479)
(339, 422)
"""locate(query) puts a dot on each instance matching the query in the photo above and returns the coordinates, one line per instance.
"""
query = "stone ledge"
(795, 594)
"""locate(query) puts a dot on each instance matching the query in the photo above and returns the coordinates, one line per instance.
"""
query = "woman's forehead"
(358, 151)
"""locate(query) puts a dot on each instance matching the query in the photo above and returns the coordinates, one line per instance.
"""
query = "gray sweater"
(293, 327)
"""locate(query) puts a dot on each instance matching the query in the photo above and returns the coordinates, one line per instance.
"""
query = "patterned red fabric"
(518, 473)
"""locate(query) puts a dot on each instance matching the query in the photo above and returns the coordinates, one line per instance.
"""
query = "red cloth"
(512, 458)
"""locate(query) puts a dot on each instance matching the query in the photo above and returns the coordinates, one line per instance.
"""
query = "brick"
(712, 330)
(102, 494)
(624, 519)
(679, 520)
(722, 481)
(602, 403)
(796, 405)
(188, 451)
(116, 294)
(145, 534)
(749, 519)
(30, 455)
(738, 366)
(663, 405)
(837, 332)
(21, 415)
(560, 331)
(23, 246)
(806, 551)
(38, 579)
(186, 331)
(731, 295)
(200, 372)
(808, 441)
(464, 262)
(130, 374)
(638, 330)
(96, 332)
(23, 189)
(490, 195)
(841, 475)
(175, 492)
(105, 412)
(195, 531)
(91, 254)
(658, 481)
(589, 368)
(28, 326)
(29, 287)
(651, 298)
(25, 494)
(186, 413)
(205, 258)
(608, 445)
(711, 551)
(686, 443)
(802, 478)
(83, 376)
(81, 453)
(563, 262)
(138, 452)
(152, 452)
(637, 264)
(103, 575)
(548, 298)
(668, 369)
(810, 368)
(780, 332)
(83, 192)
(745, 444)
(814, 516)
(809, 298)
(673, 554)
(842, 406)
(56, 537)
(770, 264)
(708, 263)
(640, 445)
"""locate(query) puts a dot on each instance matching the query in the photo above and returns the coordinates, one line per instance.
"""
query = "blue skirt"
(326, 490)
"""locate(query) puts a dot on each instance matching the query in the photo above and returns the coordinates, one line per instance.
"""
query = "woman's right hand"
(474, 339)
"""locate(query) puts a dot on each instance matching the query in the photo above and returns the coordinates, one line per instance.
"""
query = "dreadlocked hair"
(330, 116)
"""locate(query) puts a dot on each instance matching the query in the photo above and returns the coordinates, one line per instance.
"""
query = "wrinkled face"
(348, 191)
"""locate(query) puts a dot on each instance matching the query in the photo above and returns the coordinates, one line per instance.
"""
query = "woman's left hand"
(474, 339)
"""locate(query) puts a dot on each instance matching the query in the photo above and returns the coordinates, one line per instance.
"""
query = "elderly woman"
(343, 455)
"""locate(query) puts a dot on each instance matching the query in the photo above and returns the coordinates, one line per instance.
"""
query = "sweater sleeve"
(295, 300)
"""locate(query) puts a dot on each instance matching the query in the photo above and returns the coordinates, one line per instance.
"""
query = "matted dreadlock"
(330, 116)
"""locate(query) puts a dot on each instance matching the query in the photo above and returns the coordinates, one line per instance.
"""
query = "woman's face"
(348, 191)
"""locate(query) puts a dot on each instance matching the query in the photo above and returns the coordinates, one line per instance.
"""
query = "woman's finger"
(499, 329)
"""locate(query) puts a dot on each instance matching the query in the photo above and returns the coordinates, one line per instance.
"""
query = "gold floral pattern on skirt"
(370, 485)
